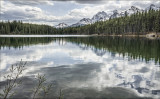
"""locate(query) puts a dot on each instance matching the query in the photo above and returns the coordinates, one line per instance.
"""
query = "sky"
(53, 12)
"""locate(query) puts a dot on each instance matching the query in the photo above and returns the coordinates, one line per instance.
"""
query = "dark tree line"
(18, 27)
(138, 23)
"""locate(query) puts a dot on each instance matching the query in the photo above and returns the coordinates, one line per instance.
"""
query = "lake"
(84, 66)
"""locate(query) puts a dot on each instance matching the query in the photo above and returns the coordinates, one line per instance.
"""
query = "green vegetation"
(17, 27)
(137, 24)
(13, 81)
(46, 89)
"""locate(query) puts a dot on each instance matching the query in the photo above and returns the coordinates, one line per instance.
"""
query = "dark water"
(85, 67)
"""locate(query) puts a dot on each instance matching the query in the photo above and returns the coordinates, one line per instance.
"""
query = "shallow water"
(86, 67)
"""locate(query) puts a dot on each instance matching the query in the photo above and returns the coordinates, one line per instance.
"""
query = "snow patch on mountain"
(100, 16)
(133, 10)
(115, 14)
(129, 12)
(152, 7)
(61, 25)
(82, 22)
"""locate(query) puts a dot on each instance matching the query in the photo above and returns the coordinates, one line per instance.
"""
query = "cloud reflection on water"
(76, 66)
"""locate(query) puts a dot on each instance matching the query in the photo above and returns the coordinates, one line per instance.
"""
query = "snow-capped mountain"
(152, 6)
(61, 25)
(133, 10)
(115, 14)
(82, 22)
(122, 13)
(130, 11)
(103, 16)
(100, 16)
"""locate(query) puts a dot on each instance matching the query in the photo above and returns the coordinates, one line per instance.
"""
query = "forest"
(137, 24)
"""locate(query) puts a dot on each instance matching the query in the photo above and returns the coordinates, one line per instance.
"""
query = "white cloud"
(10, 11)
(33, 14)
(90, 10)
(31, 2)
(28, 11)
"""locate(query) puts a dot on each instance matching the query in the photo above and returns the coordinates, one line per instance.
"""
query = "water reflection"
(85, 67)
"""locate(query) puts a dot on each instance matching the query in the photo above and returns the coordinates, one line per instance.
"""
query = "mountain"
(82, 22)
(100, 16)
(103, 16)
(152, 6)
(115, 14)
(133, 10)
(61, 25)
(130, 11)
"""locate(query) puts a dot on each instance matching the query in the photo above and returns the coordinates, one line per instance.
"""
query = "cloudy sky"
(52, 12)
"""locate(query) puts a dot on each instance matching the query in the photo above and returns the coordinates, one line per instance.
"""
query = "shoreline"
(149, 35)
(44, 35)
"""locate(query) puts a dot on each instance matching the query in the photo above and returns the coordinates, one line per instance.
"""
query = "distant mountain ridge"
(152, 6)
(61, 25)
(100, 16)
(103, 16)
(82, 22)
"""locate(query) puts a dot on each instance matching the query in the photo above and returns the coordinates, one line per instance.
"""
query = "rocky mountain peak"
(115, 11)
(85, 20)
(152, 7)
(100, 16)
(61, 25)
(115, 14)
(135, 9)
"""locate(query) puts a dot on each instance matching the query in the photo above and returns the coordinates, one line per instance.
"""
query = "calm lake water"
(85, 67)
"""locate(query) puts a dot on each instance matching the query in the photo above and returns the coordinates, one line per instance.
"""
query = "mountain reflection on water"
(87, 67)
